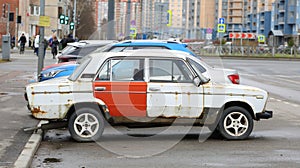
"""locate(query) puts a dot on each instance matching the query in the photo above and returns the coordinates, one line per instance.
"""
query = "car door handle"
(100, 88)
(154, 89)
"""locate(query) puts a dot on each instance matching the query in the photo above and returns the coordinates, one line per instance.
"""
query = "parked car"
(264, 48)
(231, 76)
(77, 50)
(149, 85)
(59, 71)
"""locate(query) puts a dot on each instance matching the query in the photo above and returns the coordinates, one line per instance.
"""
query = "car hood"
(59, 64)
(234, 90)
(61, 68)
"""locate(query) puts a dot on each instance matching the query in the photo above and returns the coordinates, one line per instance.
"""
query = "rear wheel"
(235, 123)
(86, 124)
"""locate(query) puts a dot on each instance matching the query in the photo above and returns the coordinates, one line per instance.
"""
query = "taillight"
(235, 78)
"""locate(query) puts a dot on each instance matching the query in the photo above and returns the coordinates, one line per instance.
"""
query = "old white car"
(145, 87)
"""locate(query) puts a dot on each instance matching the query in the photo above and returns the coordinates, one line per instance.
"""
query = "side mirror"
(197, 81)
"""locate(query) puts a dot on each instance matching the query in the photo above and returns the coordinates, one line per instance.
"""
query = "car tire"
(236, 123)
(86, 124)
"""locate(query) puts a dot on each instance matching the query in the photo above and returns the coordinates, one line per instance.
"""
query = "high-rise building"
(259, 16)
(285, 20)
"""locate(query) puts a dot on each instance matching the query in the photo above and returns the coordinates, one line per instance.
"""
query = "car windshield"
(104, 48)
(82, 65)
(68, 49)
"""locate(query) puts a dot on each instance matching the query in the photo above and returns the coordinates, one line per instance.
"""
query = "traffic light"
(62, 19)
(4, 10)
(72, 25)
(66, 20)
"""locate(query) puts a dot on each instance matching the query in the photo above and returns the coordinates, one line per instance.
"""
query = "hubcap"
(236, 124)
(86, 125)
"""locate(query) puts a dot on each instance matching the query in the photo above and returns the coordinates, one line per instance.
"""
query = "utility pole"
(128, 19)
(41, 41)
(110, 20)
(74, 18)
(7, 23)
(17, 28)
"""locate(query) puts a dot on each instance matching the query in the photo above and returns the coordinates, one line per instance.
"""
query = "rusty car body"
(145, 86)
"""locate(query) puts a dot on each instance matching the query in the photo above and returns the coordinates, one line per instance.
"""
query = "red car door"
(120, 85)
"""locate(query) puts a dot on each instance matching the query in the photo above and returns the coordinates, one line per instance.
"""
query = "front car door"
(171, 91)
(121, 86)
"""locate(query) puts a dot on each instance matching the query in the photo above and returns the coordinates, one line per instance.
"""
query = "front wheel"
(86, 124)
(236, 123)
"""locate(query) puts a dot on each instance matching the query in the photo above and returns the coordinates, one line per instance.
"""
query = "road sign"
(221, 28)
(250, 35)
(261, 38)
(44, 21)
(169, 18)
(244, 35)
(208, 36)
(233, 35)
(133, 32)
(221, 21)
(209, 31)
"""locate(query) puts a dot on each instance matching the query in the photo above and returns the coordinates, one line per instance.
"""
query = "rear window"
(68, 49)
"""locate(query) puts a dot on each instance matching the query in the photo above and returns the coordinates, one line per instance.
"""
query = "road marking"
(285, 102)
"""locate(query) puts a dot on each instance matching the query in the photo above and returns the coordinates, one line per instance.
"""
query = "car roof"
(144, 53)
(149, 42)
(86, 43)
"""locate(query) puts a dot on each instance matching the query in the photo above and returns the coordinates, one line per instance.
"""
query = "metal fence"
(250, 51)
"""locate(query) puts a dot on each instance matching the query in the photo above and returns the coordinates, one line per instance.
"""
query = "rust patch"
(38, 111)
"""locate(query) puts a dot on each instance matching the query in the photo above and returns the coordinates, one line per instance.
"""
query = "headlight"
(52, 73)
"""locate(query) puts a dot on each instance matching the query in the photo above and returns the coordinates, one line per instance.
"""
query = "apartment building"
(30, 12)
(286, 20)
(14, 5)
(259, 16)
(234, 12)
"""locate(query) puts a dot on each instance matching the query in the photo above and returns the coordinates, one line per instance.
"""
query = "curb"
(25, 158)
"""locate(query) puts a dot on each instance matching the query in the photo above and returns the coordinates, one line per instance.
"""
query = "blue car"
(66, 70)
(55, 72)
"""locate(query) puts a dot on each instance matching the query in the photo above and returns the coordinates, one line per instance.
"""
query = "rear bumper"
(264, 115)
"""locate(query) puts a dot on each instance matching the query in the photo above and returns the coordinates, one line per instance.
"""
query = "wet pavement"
(14, 75)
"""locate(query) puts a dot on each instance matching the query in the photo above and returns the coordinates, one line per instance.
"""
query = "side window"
(104, 73)
(197, 67)
(169, 71)
(122, 70)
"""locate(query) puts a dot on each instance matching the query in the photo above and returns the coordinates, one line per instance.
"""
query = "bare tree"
(86, 16)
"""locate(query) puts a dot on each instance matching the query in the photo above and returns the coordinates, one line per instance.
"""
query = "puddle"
(51, 160)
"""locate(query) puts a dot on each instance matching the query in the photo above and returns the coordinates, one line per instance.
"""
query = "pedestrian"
(54, 46)
(13, 42)
(22, 42)
(30, 41)
(46, 44)
(70, 38)
(64, 42)
(36, 44)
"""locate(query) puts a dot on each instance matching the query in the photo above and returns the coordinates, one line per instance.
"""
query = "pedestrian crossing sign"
(221, 28)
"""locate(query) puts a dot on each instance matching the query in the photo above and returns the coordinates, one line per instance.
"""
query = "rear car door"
(121, 86)
(171, 91)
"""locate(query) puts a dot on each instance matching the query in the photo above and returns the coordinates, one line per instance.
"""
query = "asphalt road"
(14, 115)
(273, 143)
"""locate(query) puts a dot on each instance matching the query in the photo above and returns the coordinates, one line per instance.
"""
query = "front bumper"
(264, 115)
